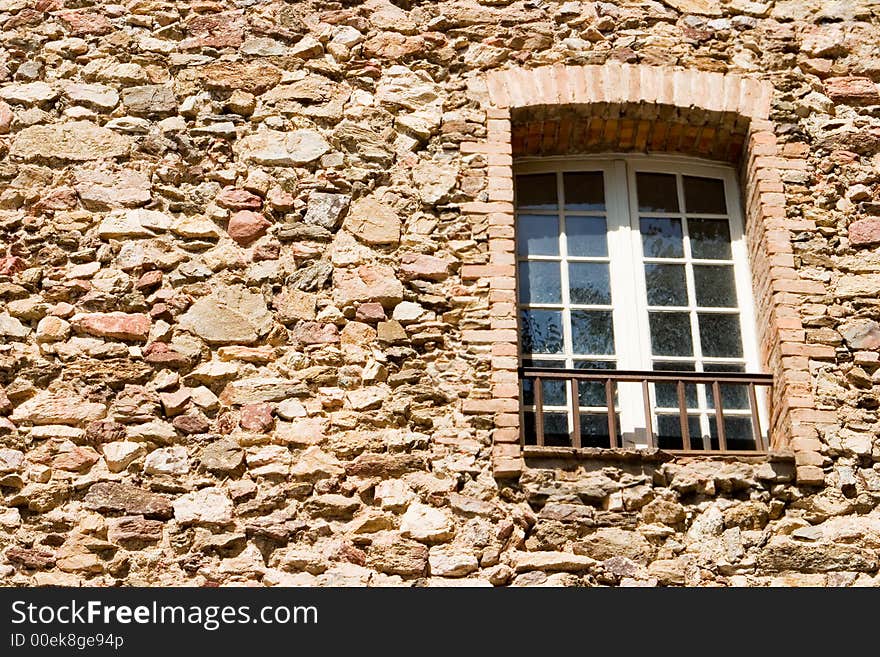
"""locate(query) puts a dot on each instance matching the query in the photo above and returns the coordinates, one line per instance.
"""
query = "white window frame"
(627, 277)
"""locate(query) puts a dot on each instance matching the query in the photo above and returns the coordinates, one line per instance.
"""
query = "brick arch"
(626, 98)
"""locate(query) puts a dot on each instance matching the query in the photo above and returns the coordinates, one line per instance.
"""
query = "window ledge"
(652, 455)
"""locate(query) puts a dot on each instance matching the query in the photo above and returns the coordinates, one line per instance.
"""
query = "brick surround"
(628, 108)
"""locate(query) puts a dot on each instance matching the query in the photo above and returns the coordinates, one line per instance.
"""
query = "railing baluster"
(612, 416)
(719, 416)
(575, 413)
(646, 396)
(539, 411)
(683, 418)
(756, 425)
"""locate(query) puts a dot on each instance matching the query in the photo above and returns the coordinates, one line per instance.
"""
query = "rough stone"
(373, 222)
(78, 141)
(283, 149)
(209, 506)
(123, 498)
(229, 315)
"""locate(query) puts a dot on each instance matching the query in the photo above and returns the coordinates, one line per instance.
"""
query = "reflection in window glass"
(670, 334)
(536, 191)
(586, 236)
(541, 331)
(715, 286)
(537, 235)
(539, 282)
(720, 335)
(592, 332)
(588, 283)
(666, 285)
(584, 191)
(657, 192)
(704, 195)
(710, 239)
(661, 237)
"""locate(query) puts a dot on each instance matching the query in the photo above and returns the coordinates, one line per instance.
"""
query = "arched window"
(634, 294)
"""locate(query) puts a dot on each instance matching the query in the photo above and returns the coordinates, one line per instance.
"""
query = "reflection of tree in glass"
(541, 332)
(661, 237)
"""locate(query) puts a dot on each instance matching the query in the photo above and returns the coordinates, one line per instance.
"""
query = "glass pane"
(737, 433)
(669, 432)
(586, 236)
(537, 234)
(541, 331)
(733, 397)
(592, 332)
(666, 285)
(657, 192)
(553, 389)
(539, 282)
(715, 286)
(592, 393)
(704, 195)
(555, 429)
(666, 394)
(584, 190)
(710, 239)
(720, 335)
(588, 283)
(536, 191)
(670, 334)
(594, 430)
(661, 237)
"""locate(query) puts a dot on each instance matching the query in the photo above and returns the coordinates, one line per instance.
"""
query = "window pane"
(704, 195)
(720, 335)
(541, 331)
(710, 238)
(594, 430)
(588, 283)
(666, 394)
(555, 429)
(537, 235)
(536, 191)
(715, 286)
(661, 237)
(539, 282)
(669, 432)
(586, 236)
(584, 190)
(733, 397)
(592, 393)
(552, 389)
(592, 332)
(666, 285)
(657, 192)
(670, 334)
(737, 433)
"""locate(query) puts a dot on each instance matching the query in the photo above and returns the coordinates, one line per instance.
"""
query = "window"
(633, 283)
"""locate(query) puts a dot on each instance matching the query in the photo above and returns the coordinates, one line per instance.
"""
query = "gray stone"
(861, 333)
(97, 96)
(222, 457)
(115, 498)
(283, 149)
(149, 99)
(229, 315)
(209, 506)
(326, 210)
(79, 141)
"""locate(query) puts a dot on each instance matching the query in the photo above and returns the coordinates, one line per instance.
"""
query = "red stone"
(418, 265)
(191, 423)
(81, 23)
(246, 226)
(270, 251)
(78, 459)
(222, 30)
(234, 198)
(10, 265)
(280, 200)
(149, 280)
(33, 558)
(62, 198)
(257, 417)
(160, 354)
(852, 90)
(117, 325)
(370, 312)
(864, 232)
(315, 333)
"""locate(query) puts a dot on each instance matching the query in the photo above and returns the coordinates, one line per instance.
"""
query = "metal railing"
(682, 380)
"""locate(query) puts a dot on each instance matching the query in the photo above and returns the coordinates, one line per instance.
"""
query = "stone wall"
(246, 326)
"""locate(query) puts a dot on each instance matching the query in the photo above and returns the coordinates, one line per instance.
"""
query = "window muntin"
(635, 264)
